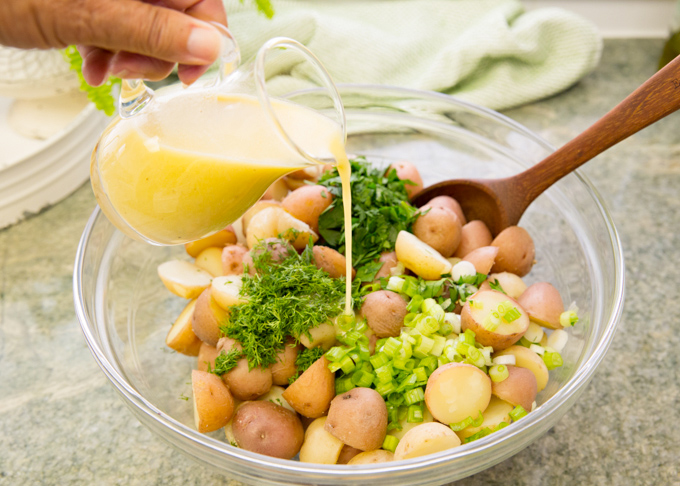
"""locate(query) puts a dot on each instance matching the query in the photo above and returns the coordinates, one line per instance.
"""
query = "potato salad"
(446, 342)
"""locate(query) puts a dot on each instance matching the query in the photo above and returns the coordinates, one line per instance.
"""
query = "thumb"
(141, 28)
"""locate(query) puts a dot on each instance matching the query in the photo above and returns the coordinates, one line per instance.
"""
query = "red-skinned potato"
(207, 318)
(307, 203)
(519, 388)
(267, 428)
(516, 251)
(384, 312)
(544, 304)
(311, 394)
(284, 367)
(232, 259)
(474, 317)
(244, 383)
(331, 261)
(482, 258)
(526, 358)
(181, 336)
(224, 237)
(206, 357)
(473, 235)
(347, 453)
(213, 403)
(389, 261)
(449, 203)
(408, 171)
(358, 418)
(440, 228)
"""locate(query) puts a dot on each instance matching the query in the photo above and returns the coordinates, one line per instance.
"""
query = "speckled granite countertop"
(61, 423)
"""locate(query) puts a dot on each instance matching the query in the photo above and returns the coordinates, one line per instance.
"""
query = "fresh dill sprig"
(225, 361)
(284, 299)
(101, 96)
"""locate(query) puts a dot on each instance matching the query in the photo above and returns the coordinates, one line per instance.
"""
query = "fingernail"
(204, 43)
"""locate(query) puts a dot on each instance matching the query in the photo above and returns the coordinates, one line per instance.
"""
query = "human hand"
(141, 39)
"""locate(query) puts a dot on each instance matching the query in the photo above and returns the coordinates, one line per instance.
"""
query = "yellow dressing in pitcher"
(190, 165)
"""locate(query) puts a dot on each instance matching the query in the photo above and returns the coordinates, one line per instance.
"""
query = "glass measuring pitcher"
(179, 164)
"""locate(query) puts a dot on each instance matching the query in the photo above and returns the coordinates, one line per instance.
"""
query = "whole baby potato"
(232, 259)
(311, 394)
(516, 251)
(439, 228)
(358, 418)
(330, 261)
(269, 429)
(307, 203)
(519, 388)
(384, 312)
(284, 367)
(473, 235)
(245, 383)
(347, 454)
(389, 261)
(449, 203)
(456, 391)
(475, 318)
(544, 304)
(207, 318)
(426, 439)
(406, 171)
(276, 251)
(482, 258)
(320, 447)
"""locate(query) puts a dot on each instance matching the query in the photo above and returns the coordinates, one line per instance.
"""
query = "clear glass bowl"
(125, 311)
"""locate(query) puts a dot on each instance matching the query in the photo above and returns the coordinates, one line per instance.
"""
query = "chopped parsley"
(380, 209)
(284, 299)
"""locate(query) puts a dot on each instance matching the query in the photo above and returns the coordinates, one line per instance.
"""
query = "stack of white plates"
(45, 141)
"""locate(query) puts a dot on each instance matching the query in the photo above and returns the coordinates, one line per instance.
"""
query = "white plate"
(36, 173)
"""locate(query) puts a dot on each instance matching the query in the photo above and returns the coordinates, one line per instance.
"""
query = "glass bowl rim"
(579, 379)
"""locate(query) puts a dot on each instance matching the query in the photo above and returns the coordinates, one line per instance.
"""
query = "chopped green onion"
(478, 421)
(395, 284)
(414, 396)
(427, 325)
(392, 345)
(512, 315)
(347, 365)
(498, 373)
(343, 385)
(429, 363)
(390, 443)
(458, 426)
(492, 321)
(468, 337)
(552, 360)
(568, 318)
(415, 413)
(482, 433)
(385, 388)
(500, 426)
(517, 413)
(409, 319)
(378, 360)
(476, 304)
(416, 302)
(361, 326)
(362, 378)
(384, 373)
(438, 345)
(424, 347)
(404, 364)
(345, 322)
(336, 353)
(421, 373)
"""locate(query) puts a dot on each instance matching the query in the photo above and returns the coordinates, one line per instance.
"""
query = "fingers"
(96, 64)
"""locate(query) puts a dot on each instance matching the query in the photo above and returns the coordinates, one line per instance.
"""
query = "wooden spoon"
(501, 202)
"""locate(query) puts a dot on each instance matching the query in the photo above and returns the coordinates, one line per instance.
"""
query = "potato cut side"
(526, 358)
(184, 279)
(181, 336)
(426, 439)
(477, 312)
(210, 260)
(457, 391)
(220, 239)
(498, 411)
(213, 403)
(372, 457)
(419, 257)
(275, 395)
(320, 447)
(274, 221)
(322, 335)
(226, 291)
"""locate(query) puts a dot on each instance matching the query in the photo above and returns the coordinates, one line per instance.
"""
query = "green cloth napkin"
(490, 52)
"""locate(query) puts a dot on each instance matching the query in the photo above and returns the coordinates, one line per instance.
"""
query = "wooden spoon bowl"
(501, 202)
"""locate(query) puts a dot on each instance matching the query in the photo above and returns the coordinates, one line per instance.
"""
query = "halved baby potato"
(478, 316)
(371, 457)
(220, 239)
(311, 394)
(210, 260)
(226, 290)
(207, 318)
(181, 336)
(519, 388)
(319, 446)
(213, 403)
(184, 279)
(482, 258)
(544, 304)
(274, 221)
(426, 439)
(526, 358)
(498, 411)
(457, 391)
(511, 284)
(419, 257)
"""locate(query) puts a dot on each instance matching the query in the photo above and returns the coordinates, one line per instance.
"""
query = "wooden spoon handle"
(658, 97)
